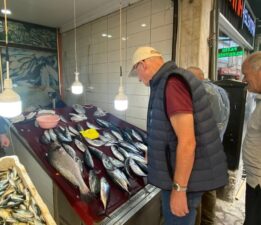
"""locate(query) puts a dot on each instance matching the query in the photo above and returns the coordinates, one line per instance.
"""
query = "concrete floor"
(231, 213)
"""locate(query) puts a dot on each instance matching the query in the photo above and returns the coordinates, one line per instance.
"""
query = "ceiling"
(59, 13)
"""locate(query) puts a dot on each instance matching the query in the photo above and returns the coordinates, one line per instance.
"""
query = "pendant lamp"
(10, 101)
(121, 100)
(77, 87)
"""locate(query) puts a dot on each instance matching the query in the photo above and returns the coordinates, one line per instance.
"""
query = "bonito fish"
(68, 168)
(104, 192)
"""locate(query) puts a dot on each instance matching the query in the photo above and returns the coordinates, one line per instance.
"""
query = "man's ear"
(144, 64)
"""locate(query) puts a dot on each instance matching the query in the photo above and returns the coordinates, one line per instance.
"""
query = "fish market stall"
(85, 180)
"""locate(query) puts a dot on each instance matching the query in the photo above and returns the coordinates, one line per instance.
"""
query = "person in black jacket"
(4, 140)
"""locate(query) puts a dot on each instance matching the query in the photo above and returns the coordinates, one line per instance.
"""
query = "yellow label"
(90, 133)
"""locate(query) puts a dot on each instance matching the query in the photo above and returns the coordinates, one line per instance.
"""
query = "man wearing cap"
(185, 154)
(251, 68)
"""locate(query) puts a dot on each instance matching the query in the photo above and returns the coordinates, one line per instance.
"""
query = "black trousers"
(253, 205)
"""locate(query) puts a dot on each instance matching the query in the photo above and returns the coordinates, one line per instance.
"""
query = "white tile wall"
(101, 62)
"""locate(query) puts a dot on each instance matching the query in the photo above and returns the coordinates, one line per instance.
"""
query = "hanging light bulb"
(77, 87)
(10, 102)
(121, 100)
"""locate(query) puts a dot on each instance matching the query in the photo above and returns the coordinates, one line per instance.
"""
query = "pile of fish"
(70, 154)
(17, 206)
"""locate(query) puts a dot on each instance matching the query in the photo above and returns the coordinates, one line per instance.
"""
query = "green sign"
(230, 52)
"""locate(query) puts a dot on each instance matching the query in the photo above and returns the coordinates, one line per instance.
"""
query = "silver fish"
(52, 135)
(141, 146)
(95, 142)
(91, 125)
(116, 153)
(96, 152)
(63, 119)
(74, 131)
(68, 168)
(117, 163)
(137, 158)
(103, 123)
(67, 134)
(80, 145)
(46, 111)
(79, 127)
(88, 159)
(136, 169)
(105, 192)
(99, 112)
(94, 182)
(18, 119)
(143, 166)
(123, 152)
(61, 137)
(78, 108)
(69, 150)
(31, 115)
(61, 128)
(136, 135)
(47, 135)
(78, 118)
(117, 135)
(107, 163)
(129, 147)
(110, 137)
(119, 178)
(103, 138)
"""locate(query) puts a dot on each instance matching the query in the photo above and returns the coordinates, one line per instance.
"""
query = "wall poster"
(34, 75)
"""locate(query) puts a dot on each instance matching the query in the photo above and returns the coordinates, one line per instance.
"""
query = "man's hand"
(5, 142)
(178, 203)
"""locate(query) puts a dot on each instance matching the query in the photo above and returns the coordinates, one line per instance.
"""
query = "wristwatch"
(177, 187)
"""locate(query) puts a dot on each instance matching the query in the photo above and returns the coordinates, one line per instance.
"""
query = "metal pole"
(213, 40)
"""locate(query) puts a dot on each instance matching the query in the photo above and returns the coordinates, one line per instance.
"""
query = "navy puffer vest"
(210, 168)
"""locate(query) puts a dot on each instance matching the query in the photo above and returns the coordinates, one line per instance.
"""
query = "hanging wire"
(1, 71)
(120, 48)
(6, 43)
(75, 37)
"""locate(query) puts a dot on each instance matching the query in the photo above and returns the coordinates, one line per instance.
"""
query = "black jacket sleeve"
(2, 125)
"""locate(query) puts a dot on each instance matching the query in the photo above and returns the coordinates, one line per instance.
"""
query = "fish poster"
(34, 75)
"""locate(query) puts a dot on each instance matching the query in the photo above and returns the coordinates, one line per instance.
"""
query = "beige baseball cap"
(140, 54)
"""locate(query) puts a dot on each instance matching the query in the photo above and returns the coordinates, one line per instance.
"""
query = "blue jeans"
(170, 219)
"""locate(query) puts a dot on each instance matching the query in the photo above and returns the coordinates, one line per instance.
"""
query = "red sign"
(237, 6)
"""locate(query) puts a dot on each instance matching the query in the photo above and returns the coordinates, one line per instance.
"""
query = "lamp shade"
(77, 87)
(121, 100)
(10, 102)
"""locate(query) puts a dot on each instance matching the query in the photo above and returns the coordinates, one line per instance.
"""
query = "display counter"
(63, 199)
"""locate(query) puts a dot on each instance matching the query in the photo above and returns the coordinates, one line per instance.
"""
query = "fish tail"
(86, 195)
(104, 213)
